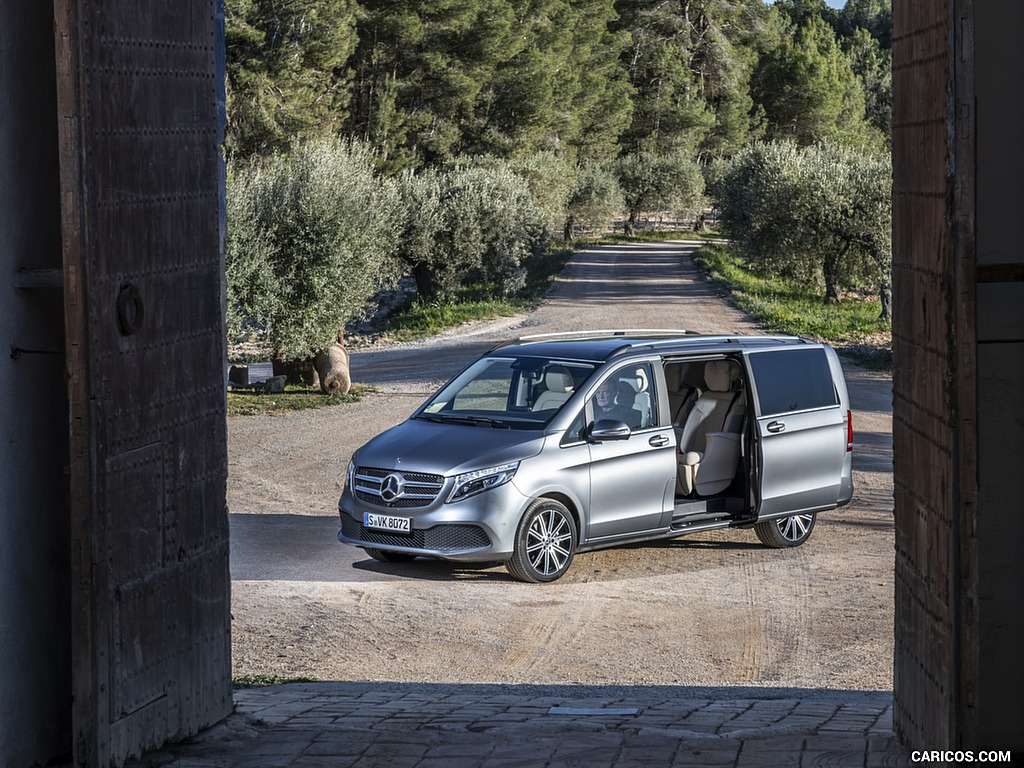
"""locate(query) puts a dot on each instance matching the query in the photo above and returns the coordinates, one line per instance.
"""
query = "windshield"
(508, 392)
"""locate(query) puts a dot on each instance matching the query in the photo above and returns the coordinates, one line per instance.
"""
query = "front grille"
(439, 538)
(416, 489)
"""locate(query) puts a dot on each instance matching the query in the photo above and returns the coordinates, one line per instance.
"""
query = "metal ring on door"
(130, 310)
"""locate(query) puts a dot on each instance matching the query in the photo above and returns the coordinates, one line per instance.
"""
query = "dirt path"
(710, 609)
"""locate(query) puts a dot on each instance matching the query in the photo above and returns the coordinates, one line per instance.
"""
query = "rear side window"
(792, 380)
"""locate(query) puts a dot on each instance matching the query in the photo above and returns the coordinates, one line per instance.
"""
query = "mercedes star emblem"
(391, 487)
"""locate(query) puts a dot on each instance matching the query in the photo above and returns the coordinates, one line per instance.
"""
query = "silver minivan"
(551, 445)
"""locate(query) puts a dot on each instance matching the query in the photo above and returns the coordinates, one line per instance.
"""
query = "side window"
(574, 434)
(628, 395)
(792, 380)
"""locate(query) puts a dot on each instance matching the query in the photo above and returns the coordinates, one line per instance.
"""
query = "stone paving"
(367, 725)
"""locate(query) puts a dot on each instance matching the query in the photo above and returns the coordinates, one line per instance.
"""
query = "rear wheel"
(785, 532)
(545, 543)
(384, 556)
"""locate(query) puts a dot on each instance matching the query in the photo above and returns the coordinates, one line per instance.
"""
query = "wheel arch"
(569, 503)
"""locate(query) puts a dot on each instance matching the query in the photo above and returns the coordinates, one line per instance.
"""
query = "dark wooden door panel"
(140, 100)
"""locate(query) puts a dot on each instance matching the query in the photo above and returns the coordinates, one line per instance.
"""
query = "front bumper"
(478, 529)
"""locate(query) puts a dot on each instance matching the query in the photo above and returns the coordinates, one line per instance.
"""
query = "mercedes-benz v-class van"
(551, 445)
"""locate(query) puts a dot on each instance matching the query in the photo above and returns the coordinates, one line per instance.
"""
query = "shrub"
(659, 182)
(550, 179)
(311, 236)
(596, 200)
(490, 227)
(422, 220)
(821, 214)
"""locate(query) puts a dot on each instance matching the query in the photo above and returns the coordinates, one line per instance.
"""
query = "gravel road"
(712, 609)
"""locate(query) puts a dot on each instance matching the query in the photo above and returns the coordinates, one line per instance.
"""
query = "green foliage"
(669, 113)
(596, 199)
(436, 80)
(311, 235)
(550, 177)
(873, 16)
(475, 224)
(285, 71)
(428, 82)
(424, 318)
(423, 218)
(497, 121)
(873, 65)
(258, 681)
(491, 227)
(653, 182)
(786, 305)
(808, 90)
(820, 214)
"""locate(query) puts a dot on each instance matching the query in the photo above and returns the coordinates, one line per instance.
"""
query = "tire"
(384, 556)
(785, 532)
(545, 543)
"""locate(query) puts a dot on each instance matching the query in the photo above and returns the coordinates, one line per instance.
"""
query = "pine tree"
(808, 91)
(285, 71)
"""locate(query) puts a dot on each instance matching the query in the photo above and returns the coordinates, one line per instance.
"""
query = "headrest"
(719, 375)
(558, 379)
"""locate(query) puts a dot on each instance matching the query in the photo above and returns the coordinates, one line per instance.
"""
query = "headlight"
(350, 474)
(472, 483)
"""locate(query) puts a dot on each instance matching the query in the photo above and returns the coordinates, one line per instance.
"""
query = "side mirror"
(609, 429)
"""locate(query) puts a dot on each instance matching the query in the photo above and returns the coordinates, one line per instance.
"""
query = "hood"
(418, 445)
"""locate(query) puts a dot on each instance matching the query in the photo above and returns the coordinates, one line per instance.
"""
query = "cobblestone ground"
(409, 726)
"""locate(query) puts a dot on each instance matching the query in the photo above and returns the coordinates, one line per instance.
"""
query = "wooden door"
(140, 102)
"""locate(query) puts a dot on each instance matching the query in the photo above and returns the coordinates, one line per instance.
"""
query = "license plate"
(387, 522)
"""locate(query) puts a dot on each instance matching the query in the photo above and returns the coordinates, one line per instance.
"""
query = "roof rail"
(596, 334)
(609, 333)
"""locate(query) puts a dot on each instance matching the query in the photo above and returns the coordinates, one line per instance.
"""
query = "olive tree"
(550, 177)
(595, 201)
(754, 193)
(659, 182)
(846, 207)
(490, 226)
(311, 235)
(821, 213)
(422, 219)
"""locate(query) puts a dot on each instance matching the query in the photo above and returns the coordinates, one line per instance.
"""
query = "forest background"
(451, 142)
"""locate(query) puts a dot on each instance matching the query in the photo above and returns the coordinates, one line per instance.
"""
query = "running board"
(691, 514)
(702, 522)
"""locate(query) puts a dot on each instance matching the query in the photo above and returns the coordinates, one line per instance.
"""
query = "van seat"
(709, 445)
(559, 385)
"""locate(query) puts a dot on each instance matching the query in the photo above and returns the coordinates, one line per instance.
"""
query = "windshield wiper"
(442, 418)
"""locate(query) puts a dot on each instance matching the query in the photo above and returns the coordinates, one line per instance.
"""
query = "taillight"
(849, 431)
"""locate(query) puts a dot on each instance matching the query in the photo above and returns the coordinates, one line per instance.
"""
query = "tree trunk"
(833, 274)
(831, 269)
(426, 287)
(885, 293)
(630, 228)
(296, 371)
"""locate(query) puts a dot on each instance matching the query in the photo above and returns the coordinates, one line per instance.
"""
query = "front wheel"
(545, 543)
(785, 532)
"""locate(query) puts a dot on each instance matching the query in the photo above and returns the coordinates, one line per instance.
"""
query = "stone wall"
(958, 423)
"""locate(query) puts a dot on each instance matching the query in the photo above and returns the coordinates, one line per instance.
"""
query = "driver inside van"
(605, 406)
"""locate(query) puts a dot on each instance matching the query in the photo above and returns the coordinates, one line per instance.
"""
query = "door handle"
(658, 441)
(776, 426)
